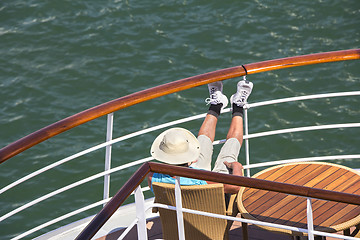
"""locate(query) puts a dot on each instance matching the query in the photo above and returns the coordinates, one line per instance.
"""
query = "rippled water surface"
(58, 58)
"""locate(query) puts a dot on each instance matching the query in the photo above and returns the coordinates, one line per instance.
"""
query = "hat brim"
(179, 158)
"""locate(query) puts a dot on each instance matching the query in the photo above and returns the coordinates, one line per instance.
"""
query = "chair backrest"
(207, 198)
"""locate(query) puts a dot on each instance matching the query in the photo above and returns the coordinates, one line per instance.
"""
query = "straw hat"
(175, 146)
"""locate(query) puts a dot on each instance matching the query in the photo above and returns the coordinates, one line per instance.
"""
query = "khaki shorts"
(229, 152)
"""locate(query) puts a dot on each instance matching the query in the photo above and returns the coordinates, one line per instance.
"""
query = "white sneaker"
(244, 89)
(216, 95)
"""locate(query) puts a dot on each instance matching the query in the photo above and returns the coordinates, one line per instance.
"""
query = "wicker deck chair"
(207, 198)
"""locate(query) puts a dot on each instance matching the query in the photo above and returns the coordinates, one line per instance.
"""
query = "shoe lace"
(208, 101)
(212, 99)
(242, 96)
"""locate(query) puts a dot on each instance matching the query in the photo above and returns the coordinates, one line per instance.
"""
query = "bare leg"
(236, 129)
(208, 127)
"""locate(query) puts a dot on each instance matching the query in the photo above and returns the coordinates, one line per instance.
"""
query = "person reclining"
(178, 146)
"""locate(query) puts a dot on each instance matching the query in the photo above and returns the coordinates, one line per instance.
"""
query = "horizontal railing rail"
(101, 110)
(70, 186)
(100, 219)
(304, 159)
(192, 118)
(237, 219)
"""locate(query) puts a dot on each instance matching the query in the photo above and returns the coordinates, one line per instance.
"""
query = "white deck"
(120, 220)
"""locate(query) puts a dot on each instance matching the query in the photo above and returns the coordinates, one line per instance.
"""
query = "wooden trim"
(165, 89)
(303, 60)
(256, 183)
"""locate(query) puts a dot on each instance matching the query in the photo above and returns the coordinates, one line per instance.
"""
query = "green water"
(58, 58)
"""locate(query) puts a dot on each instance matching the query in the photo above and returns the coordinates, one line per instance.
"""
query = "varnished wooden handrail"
(168, 88)
(100, 219)
(296, 61)
(256, 183)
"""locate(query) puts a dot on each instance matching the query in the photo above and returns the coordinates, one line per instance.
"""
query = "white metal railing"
(109, 133)
(97, 147)
(307, 159)
(307, 97)
(142, 233)
(73, 185)
(109, 142)
(61, 218)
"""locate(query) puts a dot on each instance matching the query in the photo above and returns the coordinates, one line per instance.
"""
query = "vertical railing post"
(246, 131)
(179, 212)
(109, 132)
(310, 224)
(140, 214)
